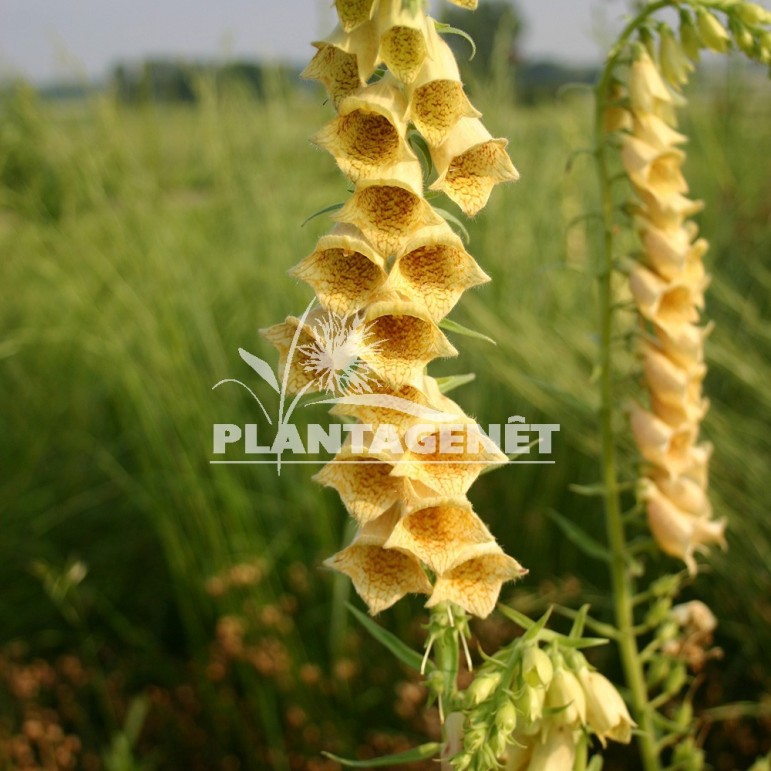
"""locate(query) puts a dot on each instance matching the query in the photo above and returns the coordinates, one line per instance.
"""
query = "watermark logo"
(339, 363)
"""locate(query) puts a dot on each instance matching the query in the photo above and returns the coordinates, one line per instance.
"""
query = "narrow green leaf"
(579, 643)
(596, 490)
(420, 146)
(325, 210)
(446, 29)
(459, 329)
(538, 627)
(452, 220)
(520, 619)
(451, 382)
(423, 752)
(404, 653)
(579, 622)
(574, 533)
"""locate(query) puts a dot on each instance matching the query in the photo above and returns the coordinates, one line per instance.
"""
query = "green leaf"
(459, 329)
(261, 367)
(596, 490)
(325, 210)
(423, 752)
(451, 382)
(420, 146)
(404, 653)
(446, 29)
(579, 622)
(585, 542)
(580, 642)
(452, 220)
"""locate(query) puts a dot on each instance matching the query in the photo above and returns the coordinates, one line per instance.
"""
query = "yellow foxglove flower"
(668, 447)
(666, 303)
(403, 39)
(438, 531)
(685, 493)
(652, 169)
(408, 339)
(437, 100)
(655, 131)
(672, 254)
(368, 137)
(606, 712)
(354, 13)
(712, 32)
(565, 691)
(365, 484)
(470, 163)
(469, 5)
(380, 576)
(390, 210)
(301, 373)
(669, 382)
(688, 412)
(675, 65)
(678, 533)
(647, 91)
(475, 583)
(684, 344)
(344, 270)
(449, 458)
(557, 751)
(669, 211)
(434, 268)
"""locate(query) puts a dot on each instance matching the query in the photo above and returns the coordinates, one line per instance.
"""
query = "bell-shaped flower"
(566, 695)
(367, 139)
(670, 383)
(389, 210)
(656, 132)
(673, 253)
(688, 412)
(448, 458)
(678, 533)
(354, 13)
(669, 211)
(380, 576)
(403, 38)
(684, 343)
(344, 270)
(437, 100)
(344, 62)
(652, 169)
(365, 483)
(675, 65)
(557, 750)
(666, 303)
(438, 531)
(665, 446)
(685, 493)
(408, 341)
(647, 91)
(606, 712)
(475, 583)
(469, 5)
(434, 269)
(470, 163)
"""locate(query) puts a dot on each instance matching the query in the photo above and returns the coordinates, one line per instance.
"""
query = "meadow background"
(157, 612)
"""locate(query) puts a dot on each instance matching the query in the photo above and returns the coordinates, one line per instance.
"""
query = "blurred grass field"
(141, 247)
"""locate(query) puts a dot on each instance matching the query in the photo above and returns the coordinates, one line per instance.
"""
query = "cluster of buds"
(668, 287)
(533, 706)
(388, 272)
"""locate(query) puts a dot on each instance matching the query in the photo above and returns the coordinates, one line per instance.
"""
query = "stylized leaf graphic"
(254, 395)
(262, 368)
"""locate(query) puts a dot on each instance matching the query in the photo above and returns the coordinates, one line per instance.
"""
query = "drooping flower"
(353, 13)
(470, 163)
(403, 39)
(606, 713)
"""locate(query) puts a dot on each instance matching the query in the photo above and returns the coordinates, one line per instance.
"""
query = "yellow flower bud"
(689, 36)
(565, 691)
(482, 688)
(606, 712)
(537, 667)
(506, 718)
(675, 65)
(753, 14)
(712, 32)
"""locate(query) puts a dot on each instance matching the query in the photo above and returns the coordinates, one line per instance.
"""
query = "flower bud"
(606, 711)
(482, 688)
(753, 14)
(689, 36)
(712, 32)
(676, 679)
(531, 703)
(675, 65)
(475, 738)
(506, 717)
(537, 667)
(463, 761)
(566, 694)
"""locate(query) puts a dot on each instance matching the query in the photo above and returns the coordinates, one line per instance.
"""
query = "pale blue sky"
(44, 39)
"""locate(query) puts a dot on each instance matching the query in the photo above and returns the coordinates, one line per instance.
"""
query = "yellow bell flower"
(380, 576)
(437, 100)
(647, 91)
(606, 713)
(475, 583)
(438, 531)
(667, 211)
(344, 62)
(565, 691)
(684, 343)
(668, 447)
(354, 13)
(652, 169)
(470, 163)
(685, 493)
(666, 303)
(403, 39)
(670, 383)
(675, 65)
(368, 137)
(678, 533)
(434, 268)
(344, 270)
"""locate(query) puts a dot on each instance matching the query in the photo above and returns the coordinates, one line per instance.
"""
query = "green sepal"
(454, 222)
(452, 326)
(325, 210)
(422, 752)
(404, 653)
(451, 382)
(574, 533)
(447, 29)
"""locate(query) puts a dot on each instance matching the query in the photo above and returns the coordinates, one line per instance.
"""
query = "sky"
(45, 40)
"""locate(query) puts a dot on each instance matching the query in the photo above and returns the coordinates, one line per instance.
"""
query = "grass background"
(140, 248)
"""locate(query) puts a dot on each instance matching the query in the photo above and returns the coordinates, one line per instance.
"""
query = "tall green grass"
(142, 247)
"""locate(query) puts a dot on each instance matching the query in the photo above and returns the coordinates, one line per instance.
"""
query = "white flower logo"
(338, 356)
